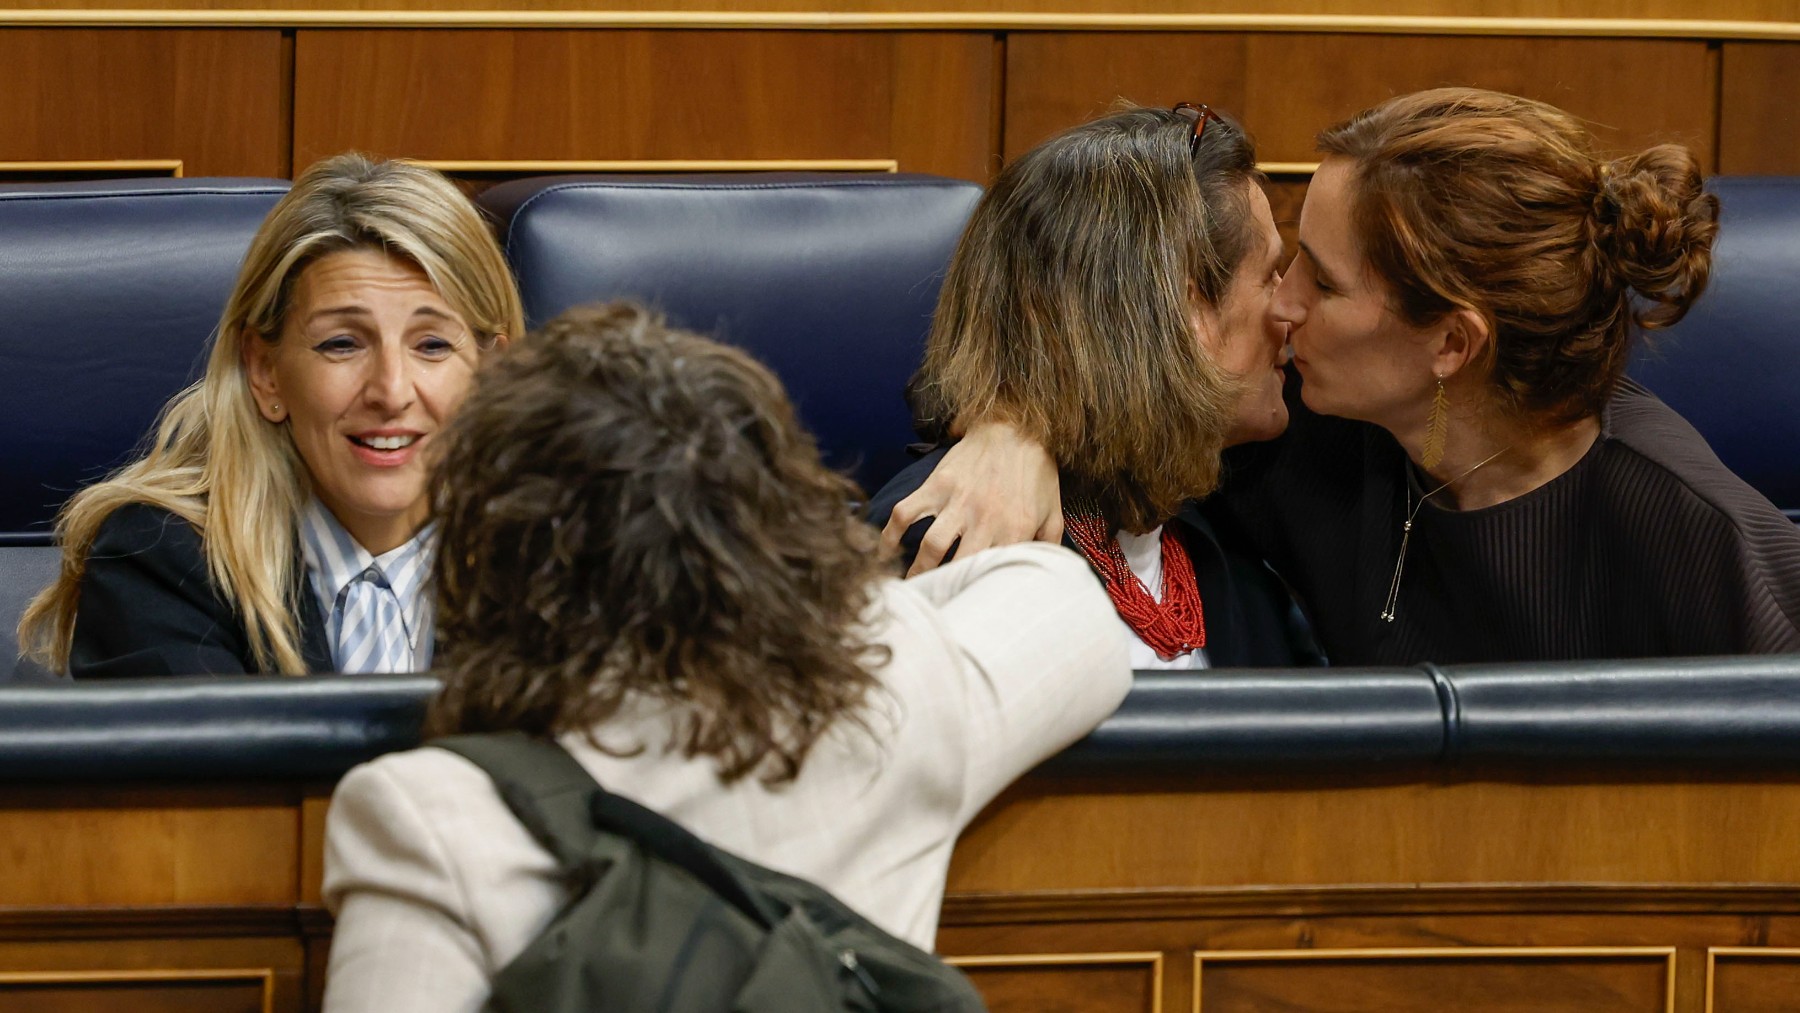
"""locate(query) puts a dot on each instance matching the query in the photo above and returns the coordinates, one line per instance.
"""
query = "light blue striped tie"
(373, 629)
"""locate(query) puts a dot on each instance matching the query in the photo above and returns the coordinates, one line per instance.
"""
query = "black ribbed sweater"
(1648, 546)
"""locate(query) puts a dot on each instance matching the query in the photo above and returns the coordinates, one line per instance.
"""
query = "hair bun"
(1655, 224)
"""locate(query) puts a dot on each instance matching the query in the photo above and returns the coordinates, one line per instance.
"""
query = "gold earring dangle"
(1437, 426)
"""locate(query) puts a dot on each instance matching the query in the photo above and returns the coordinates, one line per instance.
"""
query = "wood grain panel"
(210, 98)
(1055, 80)
(1633, 93)
(1757, 134)
(1520, 827)
(215, 973)
(176, 993)
(313, 810)
(1068, 983)
(445, 95)
(1752, 980)
(1752, 10)
(1287, 87)
(1513, 981)
(117, 848)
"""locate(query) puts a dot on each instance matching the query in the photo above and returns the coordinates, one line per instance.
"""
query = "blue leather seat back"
(829, 279)
(109, 292)
(24, 571)
(1732, 366)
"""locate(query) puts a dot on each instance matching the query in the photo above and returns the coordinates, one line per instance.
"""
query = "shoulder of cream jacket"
(994, 664)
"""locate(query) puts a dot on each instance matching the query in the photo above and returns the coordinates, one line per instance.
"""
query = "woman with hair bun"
(1468, 474)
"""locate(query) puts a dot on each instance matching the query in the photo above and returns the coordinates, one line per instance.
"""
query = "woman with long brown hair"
(1469, 475)
(1110, 295)
(643, 556)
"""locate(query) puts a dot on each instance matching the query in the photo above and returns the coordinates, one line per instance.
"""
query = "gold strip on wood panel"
(172, 166)
(451, 166)
(266, 975)
(1681, 28)
(1152, 957)
(1753, 952)
(1445, 953)
(1287, 168)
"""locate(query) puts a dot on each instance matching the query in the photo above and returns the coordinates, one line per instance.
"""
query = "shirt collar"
(333, 559)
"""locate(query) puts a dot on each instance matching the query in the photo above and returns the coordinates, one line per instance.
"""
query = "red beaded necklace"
(1171, 627)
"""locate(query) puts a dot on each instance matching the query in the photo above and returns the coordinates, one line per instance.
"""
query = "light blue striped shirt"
(334, 560)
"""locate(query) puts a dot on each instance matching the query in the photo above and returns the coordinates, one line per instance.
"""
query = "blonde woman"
(280, 520)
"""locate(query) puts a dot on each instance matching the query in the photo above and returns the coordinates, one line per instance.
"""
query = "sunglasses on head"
(1203, 114)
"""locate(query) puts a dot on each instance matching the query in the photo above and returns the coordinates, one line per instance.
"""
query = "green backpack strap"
(546, 789)
(571, 815)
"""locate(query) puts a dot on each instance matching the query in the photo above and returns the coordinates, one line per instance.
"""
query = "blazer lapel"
(1219, 594)
(315, 649)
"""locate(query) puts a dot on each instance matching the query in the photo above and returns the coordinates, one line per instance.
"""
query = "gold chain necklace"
(1412, 512)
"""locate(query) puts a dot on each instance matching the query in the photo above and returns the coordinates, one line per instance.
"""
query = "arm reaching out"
(995, 487)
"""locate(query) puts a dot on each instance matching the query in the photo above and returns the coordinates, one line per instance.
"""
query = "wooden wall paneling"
(1287, 87)
(1068, 982)
(113, 846)
(946, 103)
(1523, 980)
(1055, 80)
(1757, 128)
(1752, 979)
(1749, 10)
(645, 95)
(210, 98)
(129, 975)
(1368, 829)
(169, 992)
(1632, 92)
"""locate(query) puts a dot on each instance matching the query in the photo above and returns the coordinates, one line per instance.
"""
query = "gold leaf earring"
(1436, 428)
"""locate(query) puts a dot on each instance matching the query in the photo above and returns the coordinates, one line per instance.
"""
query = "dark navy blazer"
(148, 606)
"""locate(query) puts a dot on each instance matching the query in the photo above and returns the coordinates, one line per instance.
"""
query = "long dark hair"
(630, 511)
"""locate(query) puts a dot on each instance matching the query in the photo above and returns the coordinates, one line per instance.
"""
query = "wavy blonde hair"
(213, 460)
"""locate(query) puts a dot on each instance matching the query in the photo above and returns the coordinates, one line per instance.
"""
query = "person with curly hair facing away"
(643, 556)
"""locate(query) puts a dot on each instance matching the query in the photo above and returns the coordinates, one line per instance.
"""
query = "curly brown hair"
(631, 511)
(1477, 199)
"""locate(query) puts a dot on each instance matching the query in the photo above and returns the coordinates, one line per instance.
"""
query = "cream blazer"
(998, 662)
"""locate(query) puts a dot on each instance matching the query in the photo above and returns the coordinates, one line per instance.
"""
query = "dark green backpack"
(659, 921)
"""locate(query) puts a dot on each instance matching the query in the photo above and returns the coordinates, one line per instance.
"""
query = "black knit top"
(1647, 547)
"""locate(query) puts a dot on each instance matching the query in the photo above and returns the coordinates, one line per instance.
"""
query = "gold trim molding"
(1667, 953)
(452, 167)
(1287, 168)
(265, 976)
(1746, 952)
(903, 21)
(1153, 958)
(171, 166)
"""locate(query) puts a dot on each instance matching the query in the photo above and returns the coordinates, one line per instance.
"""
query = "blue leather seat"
(1691, 714)
(1732, 366)
(109, 292)
(24, 571)
(830, 279)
